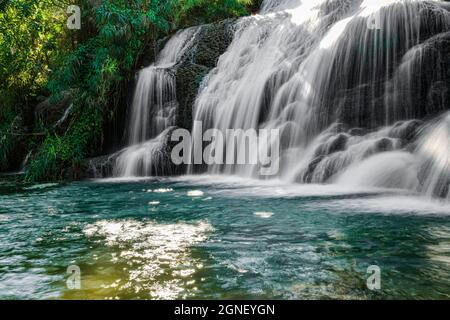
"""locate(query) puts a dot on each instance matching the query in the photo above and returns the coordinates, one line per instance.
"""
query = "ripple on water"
(160, 190)
(41, 186)
(264, 215)
(195, 193)
(440, 251)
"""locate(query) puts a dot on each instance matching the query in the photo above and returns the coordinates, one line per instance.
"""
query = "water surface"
(219, 238)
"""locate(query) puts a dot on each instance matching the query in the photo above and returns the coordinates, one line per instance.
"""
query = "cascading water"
(434, 152)
(153, 110)
(343, 81)
(339, 79)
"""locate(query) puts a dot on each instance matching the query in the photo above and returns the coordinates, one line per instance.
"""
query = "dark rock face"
(308, 175)
(212, 41)
(164, 165)
(405, 130)
(255, 6)
(54, 114)
(332, 145)
(408, 80)
(16, 148)
(99, 167)
(114, 130)
(384, 144)
(337, 144)
(188, 80)
(357, 132)
(381, 145)
(426, 93)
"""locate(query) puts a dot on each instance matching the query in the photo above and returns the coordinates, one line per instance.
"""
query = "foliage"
(58, 152)
(6, 141)
(30, 37)
(209, 10)
(40, 56)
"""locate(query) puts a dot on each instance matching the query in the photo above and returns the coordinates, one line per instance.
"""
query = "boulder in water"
(357, 132)
(405, 130)
(307, 176)
(332, 145)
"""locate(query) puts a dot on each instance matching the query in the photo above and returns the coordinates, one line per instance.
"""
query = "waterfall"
(350, 85)
(340, 79)
(154, 101)
(153, 104)
(434, 152)
(273, 5)
(153, 110)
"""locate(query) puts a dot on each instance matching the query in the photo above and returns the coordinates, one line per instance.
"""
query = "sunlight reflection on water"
(158, 255)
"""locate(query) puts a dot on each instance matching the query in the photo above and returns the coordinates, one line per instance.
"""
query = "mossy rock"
(188, 80)
(211, 42)
(214, 40)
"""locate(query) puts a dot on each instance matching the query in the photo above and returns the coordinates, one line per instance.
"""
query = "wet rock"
(405, 130)
(188, 79)
(337, 144)
(308, 175)
(439, 95)
(104, 166)
(415, 88)
(100, 167)
(357, 132)
(150, 52)
(287, 134)
(332, 145)
(384, 144)
(54, 113)
(211, 42)
(329, 167)
(167, 167)
(427, 94)
(337, 127)
(272, 85)
(359, 107)
(381, 145)
(255, 6)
